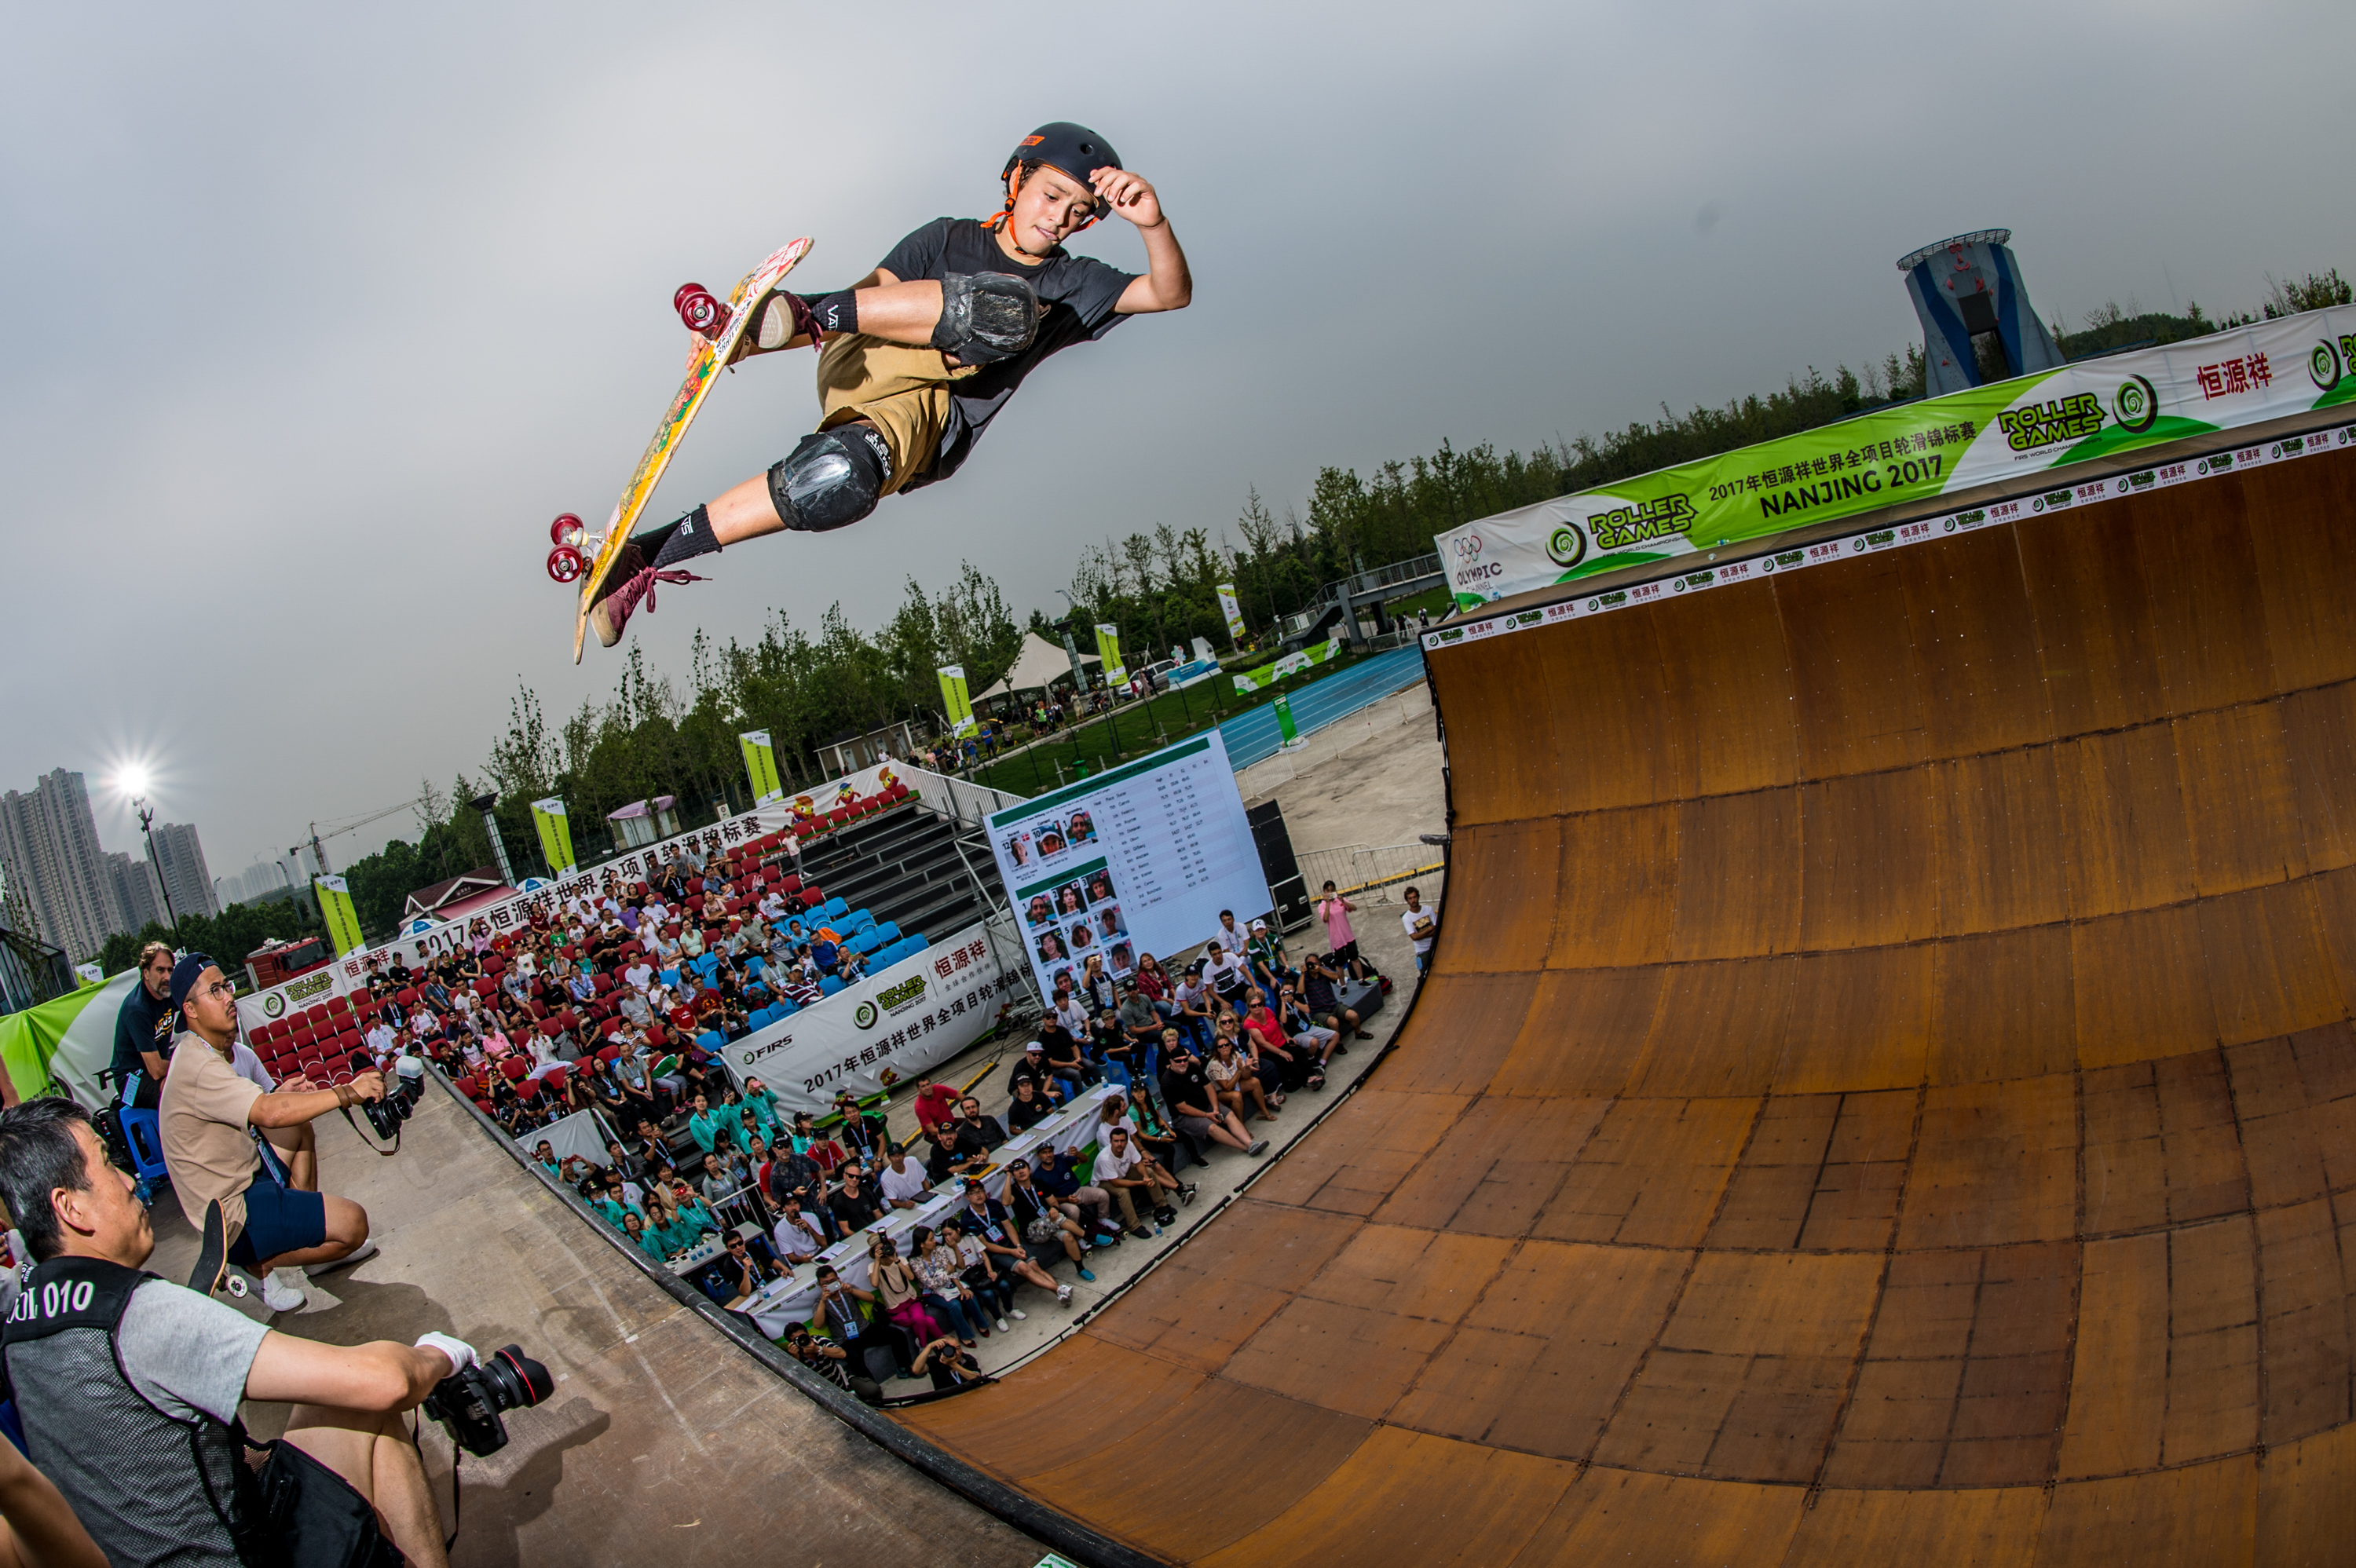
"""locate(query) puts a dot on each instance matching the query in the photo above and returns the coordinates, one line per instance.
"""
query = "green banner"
(761, 767)
(1268, 675)
(555, 836)
(957, 702)
(1290, 734)
(1913, 452)
(335, 898)
(1108, 654)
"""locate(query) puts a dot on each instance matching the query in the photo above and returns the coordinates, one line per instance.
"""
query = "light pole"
(483, 803)
(146, 814)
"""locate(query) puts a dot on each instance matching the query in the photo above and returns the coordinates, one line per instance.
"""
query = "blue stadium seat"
(711, 1040)
(786, 1007)
(670, 977)
(833, 911)
(828, 985)
(890, 954)
(891, 930)
(917, 937)
(753, 965)
(705, 966)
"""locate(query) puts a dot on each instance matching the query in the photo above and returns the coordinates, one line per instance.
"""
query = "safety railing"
(1359, 868)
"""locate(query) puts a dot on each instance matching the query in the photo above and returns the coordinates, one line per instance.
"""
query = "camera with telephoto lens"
(467, 1402)
(387, 1113)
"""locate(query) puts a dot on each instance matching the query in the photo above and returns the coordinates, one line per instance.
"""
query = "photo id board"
(1141, 859)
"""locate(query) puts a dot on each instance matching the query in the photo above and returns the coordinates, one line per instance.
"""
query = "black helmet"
(1074, 149)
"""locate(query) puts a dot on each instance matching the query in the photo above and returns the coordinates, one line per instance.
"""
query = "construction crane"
(319, 854)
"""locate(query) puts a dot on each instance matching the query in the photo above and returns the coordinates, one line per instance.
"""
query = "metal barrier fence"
(1356, 867)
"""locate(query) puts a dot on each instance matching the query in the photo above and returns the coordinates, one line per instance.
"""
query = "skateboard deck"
(712, 349)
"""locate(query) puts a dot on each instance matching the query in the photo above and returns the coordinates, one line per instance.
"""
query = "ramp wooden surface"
(1886, 1092)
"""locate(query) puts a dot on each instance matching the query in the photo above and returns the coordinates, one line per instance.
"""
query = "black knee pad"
(985, 316)
(833, 478)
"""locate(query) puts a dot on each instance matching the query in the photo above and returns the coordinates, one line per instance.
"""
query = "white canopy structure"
(1041, 664)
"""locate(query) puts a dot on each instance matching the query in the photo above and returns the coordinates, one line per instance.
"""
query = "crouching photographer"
(253, 1154)
(128, 1386)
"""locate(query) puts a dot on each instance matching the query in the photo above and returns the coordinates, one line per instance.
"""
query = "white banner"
(889, 1027)
(2094, 410)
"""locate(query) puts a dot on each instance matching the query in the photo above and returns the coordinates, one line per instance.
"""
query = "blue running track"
(1252, 737)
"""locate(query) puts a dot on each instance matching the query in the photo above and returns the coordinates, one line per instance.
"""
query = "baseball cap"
(184, 976)
(1259, 926)
(1034, 1045)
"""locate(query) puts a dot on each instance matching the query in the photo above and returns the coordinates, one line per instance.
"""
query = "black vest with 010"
(149, 1486)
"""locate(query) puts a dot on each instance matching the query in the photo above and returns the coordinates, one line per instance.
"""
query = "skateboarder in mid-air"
(918, 357)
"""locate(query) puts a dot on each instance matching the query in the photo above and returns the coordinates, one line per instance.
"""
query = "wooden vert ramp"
(1886, 1092)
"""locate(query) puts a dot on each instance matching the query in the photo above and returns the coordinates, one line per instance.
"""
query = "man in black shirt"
(143, 1031)
(918, 357)
(977, 1134)
(855, 1207)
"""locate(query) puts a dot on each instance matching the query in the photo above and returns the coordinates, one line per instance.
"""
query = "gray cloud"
(314, 319)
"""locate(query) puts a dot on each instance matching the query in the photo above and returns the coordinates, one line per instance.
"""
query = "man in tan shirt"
(267, 1186)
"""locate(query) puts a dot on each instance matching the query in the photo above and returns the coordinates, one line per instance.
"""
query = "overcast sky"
(315, 316)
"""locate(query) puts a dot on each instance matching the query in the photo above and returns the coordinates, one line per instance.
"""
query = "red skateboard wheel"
(566, 530)
(702, 313)
(565, 564)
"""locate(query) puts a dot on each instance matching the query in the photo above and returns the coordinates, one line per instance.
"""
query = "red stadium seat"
(513, 1067)
(467, 1085)
(336, 1004)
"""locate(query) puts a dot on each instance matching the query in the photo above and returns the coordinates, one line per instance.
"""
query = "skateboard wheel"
(565, 565)
(702, 313)
(566, 530)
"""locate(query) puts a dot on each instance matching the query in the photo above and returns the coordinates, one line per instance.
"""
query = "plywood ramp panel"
(1403, 1497)
(1729, 678)
(2001, 858)
(1870, 858)
(1502, 750)
(1585, 1033)
(1510, 924)
(2091, 595)
(1616, 740)
(2305, 556)
(1623, 1515)
(1619, 888)
(2004, 1006)
(1287, 1450)
(1975, 640)
(1856, 672)
(2319, 732)
(2208, 620)
(1739, 876)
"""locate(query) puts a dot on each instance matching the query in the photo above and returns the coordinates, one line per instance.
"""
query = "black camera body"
(468, 1402)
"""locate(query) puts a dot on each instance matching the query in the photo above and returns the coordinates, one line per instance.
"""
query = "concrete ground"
(1373, 778)
(661, 1436)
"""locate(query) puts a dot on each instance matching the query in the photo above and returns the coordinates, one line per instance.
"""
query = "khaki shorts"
(901, 392)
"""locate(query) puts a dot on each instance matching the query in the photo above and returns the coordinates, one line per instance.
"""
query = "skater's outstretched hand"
(1131, 196)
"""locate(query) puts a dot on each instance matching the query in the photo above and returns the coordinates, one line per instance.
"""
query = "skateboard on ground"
(718, 328)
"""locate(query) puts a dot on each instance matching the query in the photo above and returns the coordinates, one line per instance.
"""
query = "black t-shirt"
(143, 1024)
(1025, 1114)
(856, 1212)
(1188, 1087)
(1080, 292)
(979, 1138)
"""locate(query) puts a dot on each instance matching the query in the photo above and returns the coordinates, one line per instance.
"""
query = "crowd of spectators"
(617, 999)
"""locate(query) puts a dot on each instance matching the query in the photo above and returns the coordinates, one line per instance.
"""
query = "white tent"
(1041, 662)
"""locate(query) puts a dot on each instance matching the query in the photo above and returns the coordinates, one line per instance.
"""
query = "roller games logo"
(1634, 524)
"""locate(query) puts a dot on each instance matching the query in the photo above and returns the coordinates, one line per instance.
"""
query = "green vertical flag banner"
(555, 836)
(335, 898)
(1234, 613)
(1285, 728)
(956, 701)
(1108, 654)
(761, 767)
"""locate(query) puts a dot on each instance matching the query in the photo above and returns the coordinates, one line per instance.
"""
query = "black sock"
(837, 312)
(686, 538)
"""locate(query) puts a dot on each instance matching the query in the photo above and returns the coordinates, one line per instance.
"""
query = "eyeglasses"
(221, 989)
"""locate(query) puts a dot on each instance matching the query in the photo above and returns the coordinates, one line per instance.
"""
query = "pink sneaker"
(631, 580)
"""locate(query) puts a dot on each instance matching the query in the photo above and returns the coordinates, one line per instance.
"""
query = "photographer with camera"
(253, 1154)
(128, 1386)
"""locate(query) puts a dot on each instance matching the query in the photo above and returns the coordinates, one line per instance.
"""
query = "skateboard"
(718, 328)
